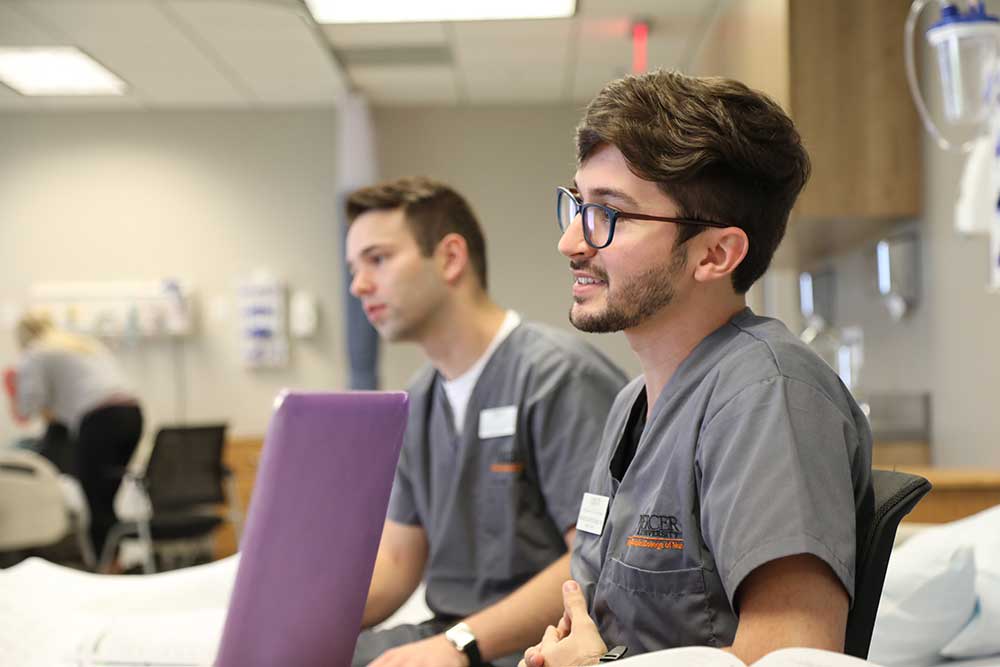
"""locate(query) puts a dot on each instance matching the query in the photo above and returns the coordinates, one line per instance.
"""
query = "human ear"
(721, 251)
(452, 257)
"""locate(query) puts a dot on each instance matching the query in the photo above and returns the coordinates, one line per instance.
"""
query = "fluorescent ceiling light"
(60, 70)
(403, 11)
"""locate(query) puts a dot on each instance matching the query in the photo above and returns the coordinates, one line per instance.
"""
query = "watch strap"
(470, 648)
(614, 654)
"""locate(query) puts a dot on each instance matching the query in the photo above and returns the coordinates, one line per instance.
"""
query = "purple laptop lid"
(315, 522)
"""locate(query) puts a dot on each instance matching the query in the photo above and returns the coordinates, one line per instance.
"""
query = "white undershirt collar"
(460, 389)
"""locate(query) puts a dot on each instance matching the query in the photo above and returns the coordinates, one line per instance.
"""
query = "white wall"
(205, 197)
(507, 161)
(896, 354)
(964, 328)
(211, 196)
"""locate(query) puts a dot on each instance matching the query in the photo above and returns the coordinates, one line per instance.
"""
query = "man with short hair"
(504, 426)
(721, 510)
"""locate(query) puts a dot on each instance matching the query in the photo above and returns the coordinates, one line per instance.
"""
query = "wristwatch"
(463, 640)
(614, 654)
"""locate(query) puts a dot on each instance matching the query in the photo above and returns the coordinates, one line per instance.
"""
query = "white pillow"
(928, 597)
(982, 635)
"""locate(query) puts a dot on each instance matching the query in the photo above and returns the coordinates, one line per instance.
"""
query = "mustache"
(595, 271)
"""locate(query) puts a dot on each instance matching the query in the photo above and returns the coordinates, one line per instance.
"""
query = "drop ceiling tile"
(508, 88)
(271, 49)
(145, 45)
(406, 85)
(11, 101)
(542, 42)
(17, 29)
(644, 8)
(385, 34)
(87, 103)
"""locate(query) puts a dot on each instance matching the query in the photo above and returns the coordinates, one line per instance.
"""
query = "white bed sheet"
(48, 611)
(989, 661)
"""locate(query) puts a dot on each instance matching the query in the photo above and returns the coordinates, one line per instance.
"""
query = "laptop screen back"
(313, 530)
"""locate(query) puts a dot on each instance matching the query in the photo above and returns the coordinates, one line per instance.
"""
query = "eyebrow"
(610, 193)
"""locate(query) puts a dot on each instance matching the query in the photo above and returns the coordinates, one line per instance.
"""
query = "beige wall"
(210, 197)
(508, 162)
(205, 197)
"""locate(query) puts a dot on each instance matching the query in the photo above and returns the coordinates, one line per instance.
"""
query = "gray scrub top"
(754, 451)
(67, 383)
(496, 509)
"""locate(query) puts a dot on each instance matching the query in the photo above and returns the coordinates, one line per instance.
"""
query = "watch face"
(460, 637)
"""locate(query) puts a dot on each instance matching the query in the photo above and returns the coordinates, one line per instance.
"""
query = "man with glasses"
(721, 510)
(504, 426)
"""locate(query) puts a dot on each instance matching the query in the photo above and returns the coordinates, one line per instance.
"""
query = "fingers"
(574, 602)
(565, 625)
(551, 635)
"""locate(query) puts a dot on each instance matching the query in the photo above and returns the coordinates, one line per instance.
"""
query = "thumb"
(574, 602)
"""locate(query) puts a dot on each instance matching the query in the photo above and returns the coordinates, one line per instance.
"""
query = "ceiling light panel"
(399, 11)
(62, 70)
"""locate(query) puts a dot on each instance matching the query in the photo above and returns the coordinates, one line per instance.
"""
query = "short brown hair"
(720, 150)
(432, 210)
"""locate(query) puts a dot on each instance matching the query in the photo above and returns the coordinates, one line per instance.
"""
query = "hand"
(575, 641)
(434, 651)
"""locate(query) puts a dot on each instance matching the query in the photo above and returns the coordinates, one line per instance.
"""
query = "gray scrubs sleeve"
(402, 501)
(774, 464)
(31, 388)
(567, 418)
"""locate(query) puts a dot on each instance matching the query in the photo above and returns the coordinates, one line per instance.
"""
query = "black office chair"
(184, 483)
(896, 494)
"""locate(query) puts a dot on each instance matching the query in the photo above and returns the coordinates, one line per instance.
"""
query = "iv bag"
(967, 60)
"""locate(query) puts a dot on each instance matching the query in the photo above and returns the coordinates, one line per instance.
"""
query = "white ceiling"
(269, 53)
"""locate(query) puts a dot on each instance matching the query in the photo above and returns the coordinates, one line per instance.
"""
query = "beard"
(636, 299)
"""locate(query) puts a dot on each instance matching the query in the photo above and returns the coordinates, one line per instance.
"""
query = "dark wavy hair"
(718, 149)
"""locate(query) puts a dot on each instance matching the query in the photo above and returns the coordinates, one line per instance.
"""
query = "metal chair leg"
(146, 538)
(111, 545)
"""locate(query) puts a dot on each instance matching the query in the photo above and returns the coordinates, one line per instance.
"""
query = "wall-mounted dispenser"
(898, 262)
(816, 299)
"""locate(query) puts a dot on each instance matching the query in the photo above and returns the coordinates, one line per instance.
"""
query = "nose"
(572, 244)
(361, 284)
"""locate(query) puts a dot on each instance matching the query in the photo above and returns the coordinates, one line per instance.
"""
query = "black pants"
(56, 445)
(108, 436)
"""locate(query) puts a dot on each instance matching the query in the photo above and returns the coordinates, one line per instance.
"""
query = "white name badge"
(593, 511)
(497, 422)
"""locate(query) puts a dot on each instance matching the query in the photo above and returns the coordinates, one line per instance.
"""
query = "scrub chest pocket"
(502, 499)
(632, 601)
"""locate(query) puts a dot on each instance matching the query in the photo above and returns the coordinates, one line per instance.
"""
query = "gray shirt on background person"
(754, 451)
(497, 494)
(68, 384)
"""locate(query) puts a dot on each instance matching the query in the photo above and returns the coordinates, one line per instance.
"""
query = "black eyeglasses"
(599, 220)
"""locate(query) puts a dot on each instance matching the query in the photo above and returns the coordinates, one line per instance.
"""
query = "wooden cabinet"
(242, 456)
(837, 67)
(849, 98)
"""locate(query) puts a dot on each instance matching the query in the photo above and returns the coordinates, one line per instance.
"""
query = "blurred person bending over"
(73, 381)
(734, 468)
(504, 426)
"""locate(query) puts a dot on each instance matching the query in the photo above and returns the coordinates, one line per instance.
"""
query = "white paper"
(497, 422)
(593, 510)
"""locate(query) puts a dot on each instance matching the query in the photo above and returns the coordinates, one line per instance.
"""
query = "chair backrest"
(33, 512)
(896, 494)
(185, 467)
